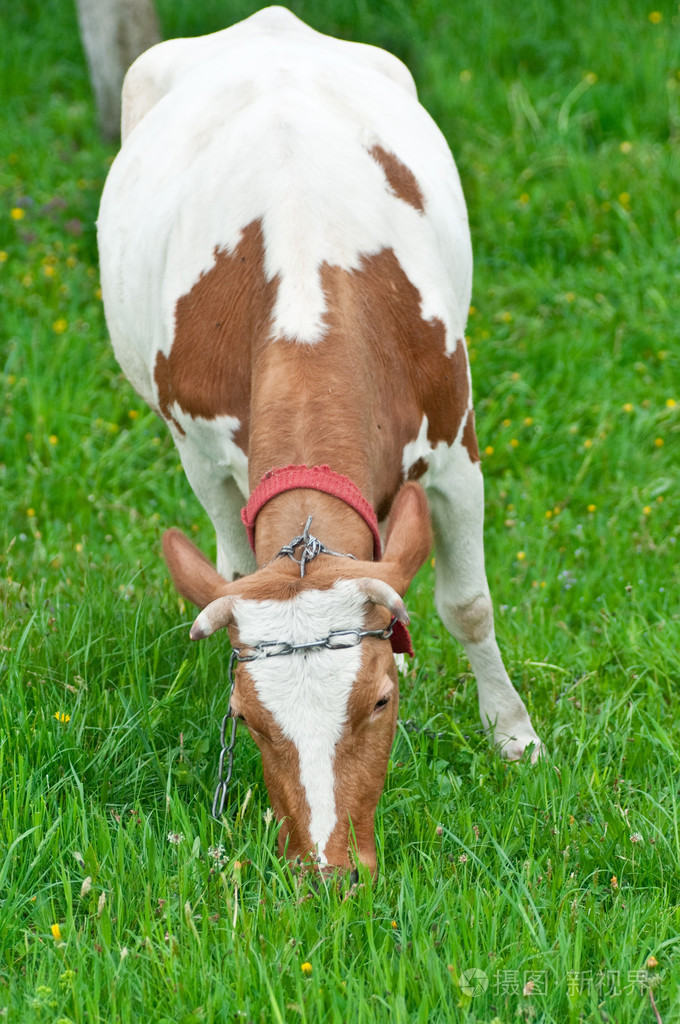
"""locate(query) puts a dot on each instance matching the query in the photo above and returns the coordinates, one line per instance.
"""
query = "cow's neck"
(339, 527)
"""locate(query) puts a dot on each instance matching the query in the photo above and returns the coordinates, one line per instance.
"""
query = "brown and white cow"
(286, 270)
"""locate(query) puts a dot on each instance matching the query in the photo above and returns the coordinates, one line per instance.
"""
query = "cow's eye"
(382, 703)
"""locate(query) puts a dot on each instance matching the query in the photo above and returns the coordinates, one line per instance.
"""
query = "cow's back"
(261, 160)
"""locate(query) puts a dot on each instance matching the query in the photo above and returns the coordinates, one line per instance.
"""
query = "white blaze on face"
(308, 692)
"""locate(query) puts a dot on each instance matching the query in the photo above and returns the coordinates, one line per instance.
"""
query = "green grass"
(565, 121)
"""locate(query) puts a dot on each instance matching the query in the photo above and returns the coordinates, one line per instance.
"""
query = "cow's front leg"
(462, 596)
(222, 499)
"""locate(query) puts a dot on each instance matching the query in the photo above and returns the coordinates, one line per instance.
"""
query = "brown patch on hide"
(400, 178)
(470, 437)
(356, 397)
(419, 467)
(219, 327)
(363, 751)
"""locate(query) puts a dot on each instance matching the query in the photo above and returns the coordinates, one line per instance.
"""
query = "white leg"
(455, 489)
(220, 496)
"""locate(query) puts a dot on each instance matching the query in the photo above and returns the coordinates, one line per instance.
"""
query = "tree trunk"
(114, 33)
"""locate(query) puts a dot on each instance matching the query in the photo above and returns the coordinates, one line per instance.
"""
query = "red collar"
(321, 478)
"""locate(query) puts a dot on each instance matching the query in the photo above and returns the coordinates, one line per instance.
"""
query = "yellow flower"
(646, 510)
(628, 407)
(514, 442)
(652, 962)
(587, 443)
(472, 310)
(394, 924)
(488, 450)
(30, 512)
(48, 271)
(61, 716)
(465, 75)
(53, 439)
(548, 514)
(521, 555)
(591, 508)
(56, 931)
(659, 442)
(590, 77)
(3, 256)
(17, 213)
(528, 420)
(524, 199)
(626, 147)
(671, 403)
(133, 414)
(570, 296)
(656, 17)
(624, 198)
(614, 882)
(506, 316)
(306, 967)
(60, 325)
(506, 423)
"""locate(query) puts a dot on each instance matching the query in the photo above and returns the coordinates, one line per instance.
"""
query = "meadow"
(121, 899)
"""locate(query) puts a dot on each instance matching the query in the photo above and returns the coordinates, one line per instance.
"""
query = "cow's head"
(324, 719)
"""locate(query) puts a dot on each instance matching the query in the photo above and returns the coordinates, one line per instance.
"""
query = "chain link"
(227, 749)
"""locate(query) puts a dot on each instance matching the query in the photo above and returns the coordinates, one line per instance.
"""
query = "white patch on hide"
(307, 692)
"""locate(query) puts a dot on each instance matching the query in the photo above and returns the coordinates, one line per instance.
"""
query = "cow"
(286, 273)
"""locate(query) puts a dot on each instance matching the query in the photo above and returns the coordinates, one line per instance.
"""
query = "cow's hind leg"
(456, 494)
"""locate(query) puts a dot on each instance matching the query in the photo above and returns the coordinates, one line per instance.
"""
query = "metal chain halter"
(311, 547)
(338, 640)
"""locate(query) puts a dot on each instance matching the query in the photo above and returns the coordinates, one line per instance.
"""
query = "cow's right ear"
(409, 535)
(194, 575)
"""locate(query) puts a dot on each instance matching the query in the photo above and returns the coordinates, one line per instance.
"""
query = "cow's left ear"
(409, 535)
(194, 575)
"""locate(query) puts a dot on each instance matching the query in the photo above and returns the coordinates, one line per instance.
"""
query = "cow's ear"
(409, 535)
(193, 574)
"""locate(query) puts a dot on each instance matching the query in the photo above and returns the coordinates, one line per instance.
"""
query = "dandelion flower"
(628, 407)
(53, 439)
(656, 17)
(671, 403)
(306, 967)
(521, 555)
(514, 443)
(488, 450)
(60, 325)
(56, 931)
(591, 508)
(659, 442)
(17, 213)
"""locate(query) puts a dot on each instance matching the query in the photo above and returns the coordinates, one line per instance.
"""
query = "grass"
(565, 122)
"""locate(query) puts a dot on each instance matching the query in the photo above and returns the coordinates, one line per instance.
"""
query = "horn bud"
(379, 592)
(216, 615)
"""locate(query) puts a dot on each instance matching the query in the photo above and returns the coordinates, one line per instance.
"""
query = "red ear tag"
(401, 640)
